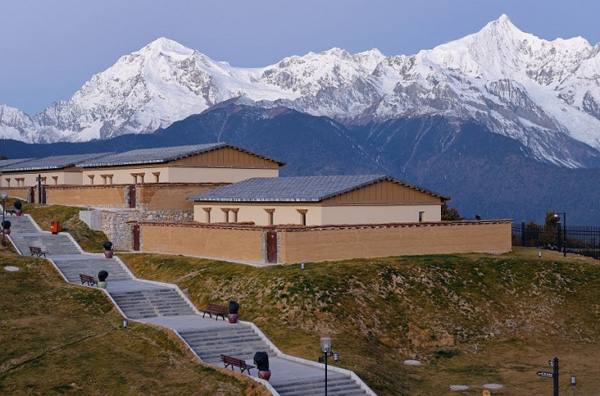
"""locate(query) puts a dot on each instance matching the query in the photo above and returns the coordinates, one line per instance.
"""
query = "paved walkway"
(165, 305)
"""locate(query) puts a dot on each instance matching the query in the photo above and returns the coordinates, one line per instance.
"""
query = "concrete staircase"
(140, 304)
(56, 245)
(161, 305)
(236, 340)
(71, 267)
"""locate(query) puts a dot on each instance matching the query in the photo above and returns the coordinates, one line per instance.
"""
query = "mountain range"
(494, 119)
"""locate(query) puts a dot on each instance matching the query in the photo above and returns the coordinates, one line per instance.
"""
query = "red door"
(271, 247)
(136, 237)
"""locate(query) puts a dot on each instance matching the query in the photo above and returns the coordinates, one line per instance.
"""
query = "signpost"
(554, 375)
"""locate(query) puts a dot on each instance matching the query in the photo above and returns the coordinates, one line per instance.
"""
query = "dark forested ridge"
(484, 173)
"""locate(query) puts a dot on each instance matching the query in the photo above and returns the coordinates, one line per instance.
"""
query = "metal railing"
(575, 239)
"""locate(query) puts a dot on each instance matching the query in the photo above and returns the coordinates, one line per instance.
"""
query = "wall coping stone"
(299, 228)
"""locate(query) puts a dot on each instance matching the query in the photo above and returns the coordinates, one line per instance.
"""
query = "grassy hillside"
(471, 319)
(58, 338)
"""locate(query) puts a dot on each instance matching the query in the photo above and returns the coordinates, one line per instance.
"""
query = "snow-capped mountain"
(545, 94)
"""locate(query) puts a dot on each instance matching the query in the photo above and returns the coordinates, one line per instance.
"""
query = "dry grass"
(58, 338)
(519, 310)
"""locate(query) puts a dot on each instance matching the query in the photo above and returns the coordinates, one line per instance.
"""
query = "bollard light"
(539, 254)
(125, 323)
(573, 380)
(336, 356)
(302, 266)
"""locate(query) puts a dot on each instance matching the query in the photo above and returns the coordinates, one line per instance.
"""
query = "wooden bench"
(89, 279)
(218, 310)
(235, 362)
(36, 251)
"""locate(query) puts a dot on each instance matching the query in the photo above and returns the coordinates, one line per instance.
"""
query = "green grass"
(518, 310)
(63, 339)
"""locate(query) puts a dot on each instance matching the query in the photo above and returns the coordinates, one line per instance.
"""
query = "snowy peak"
(539, 92)
(165, 45)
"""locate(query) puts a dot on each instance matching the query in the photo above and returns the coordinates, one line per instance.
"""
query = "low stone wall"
(339, 243)
(195, 239)
(311, 244)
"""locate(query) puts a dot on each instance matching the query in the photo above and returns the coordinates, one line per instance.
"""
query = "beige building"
(318, 201)
(202, 163)
(55, 170)
(6, 163)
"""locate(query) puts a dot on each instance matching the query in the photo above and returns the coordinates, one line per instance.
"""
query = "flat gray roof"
(160, 155)
(295, 189)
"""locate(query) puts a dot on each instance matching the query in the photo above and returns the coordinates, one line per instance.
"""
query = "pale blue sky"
(48, 49)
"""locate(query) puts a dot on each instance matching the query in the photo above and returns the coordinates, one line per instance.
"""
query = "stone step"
(221, 340)
(219, 335)
(245, 352)
(339, 385)
(152, 303)
(249, 344)
(21, 224)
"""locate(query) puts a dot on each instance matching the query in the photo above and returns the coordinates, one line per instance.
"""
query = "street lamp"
(557, 215)
(327, 350)
(4, 196)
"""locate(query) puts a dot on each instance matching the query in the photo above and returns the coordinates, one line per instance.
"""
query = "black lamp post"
(4, 196)
(327, 349)
(564, 214)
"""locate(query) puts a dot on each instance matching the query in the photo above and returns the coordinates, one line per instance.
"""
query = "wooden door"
(136, 237)
(271, 247)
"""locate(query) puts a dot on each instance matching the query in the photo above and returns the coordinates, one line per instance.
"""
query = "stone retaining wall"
(118, 224)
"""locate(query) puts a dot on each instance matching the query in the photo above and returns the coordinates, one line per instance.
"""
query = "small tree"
(551, 220)
(450, 214)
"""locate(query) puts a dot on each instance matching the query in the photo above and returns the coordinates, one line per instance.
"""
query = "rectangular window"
(421, 216)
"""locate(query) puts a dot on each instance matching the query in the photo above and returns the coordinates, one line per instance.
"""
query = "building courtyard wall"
(312, 244)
